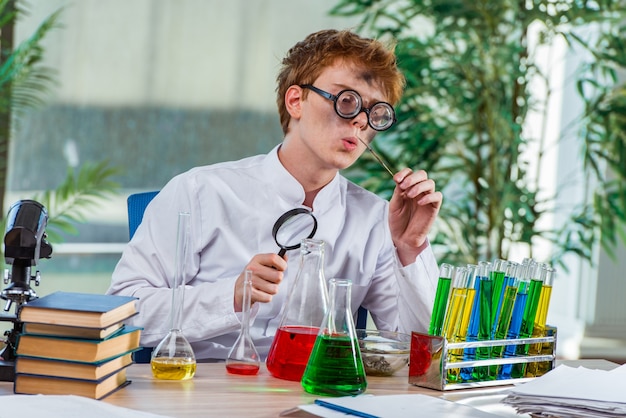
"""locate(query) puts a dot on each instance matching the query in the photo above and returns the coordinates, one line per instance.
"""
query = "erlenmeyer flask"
(173, 357)
(243, 357)
(305, 308)
(335, 367)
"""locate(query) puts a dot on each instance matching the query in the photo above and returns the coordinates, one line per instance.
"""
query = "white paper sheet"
(64, 406)
(393, 406)
(572, 392)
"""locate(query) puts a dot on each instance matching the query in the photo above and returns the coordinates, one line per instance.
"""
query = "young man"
(333, 92)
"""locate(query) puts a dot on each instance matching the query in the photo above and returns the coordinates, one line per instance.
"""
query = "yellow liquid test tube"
(456, 303)
(458, 314)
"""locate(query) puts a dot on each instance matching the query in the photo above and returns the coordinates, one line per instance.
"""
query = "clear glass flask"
(305, 308)
(173, 357)
(243, 357)
(335, 367)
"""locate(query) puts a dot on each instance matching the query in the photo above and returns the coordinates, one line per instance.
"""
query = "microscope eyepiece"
(24, 240)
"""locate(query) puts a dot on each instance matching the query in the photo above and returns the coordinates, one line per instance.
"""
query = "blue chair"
(137, 204)
(361, 318)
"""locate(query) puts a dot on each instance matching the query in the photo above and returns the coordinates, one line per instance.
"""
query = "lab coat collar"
(291, 191)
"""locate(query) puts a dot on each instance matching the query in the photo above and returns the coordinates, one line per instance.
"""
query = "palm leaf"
(81, 191)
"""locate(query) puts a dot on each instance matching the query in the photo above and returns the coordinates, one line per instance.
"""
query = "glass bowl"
(383, 352)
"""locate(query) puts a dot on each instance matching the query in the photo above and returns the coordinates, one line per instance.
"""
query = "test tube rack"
(430, 361)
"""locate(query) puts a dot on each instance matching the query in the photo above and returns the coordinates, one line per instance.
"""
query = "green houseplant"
(464, 118)
(25, 82)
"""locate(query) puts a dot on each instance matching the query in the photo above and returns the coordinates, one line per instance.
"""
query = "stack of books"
(75, 344)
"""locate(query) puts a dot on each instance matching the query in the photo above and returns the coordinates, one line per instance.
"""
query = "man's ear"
(293, 101)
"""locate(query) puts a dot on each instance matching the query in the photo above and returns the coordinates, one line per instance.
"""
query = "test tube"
(509, 292)
(442, 295)
(539, 330)
(508, 301)
(456, 303)
(473, 324)
(460, 331)
(516, 321)
(485, 300)
(528, 318)
(498, 272)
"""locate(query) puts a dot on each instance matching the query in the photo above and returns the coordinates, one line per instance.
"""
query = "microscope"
(24, 244)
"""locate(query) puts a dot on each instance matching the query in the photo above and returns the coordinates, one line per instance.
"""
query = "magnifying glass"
(292, 227)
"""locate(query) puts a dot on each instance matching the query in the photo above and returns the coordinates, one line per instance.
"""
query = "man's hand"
(412, 210)
(267, 273)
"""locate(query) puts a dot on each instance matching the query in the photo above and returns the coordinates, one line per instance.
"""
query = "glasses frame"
(360, 109)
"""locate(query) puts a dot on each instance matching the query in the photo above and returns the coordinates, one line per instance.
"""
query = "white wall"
(189, 53)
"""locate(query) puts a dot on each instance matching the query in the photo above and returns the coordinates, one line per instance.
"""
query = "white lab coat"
(233, 207)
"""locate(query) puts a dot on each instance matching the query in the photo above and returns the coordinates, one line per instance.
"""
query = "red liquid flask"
(243, 357)
(290, 351)
(306, 306)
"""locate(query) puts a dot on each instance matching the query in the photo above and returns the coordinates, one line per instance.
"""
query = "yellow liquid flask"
(335, 367)
(173, 357)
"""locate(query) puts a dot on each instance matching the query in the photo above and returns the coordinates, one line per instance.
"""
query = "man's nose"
(360, 119)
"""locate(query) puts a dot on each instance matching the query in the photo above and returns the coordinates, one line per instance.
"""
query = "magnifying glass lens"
(292, 227)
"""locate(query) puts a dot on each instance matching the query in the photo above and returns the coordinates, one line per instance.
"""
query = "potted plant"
(25, 83)
(466, 119)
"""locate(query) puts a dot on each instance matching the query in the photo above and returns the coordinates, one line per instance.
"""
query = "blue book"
(88, 310)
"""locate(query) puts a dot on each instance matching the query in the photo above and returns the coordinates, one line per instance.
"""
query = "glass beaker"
(305, 308)
(335, 366)
(173, 357)
(243, 357)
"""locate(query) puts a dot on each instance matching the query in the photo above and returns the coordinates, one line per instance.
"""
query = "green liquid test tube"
(504, 371)
(528, 319)
(442, 295)
(502, 328)
(509, 293)
(539, 329)
(498, 268)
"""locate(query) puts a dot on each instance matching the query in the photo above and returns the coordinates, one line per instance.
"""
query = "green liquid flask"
(335, 367)
(441, 300)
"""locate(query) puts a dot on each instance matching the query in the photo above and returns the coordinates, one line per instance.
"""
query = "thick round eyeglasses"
(348, 104)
